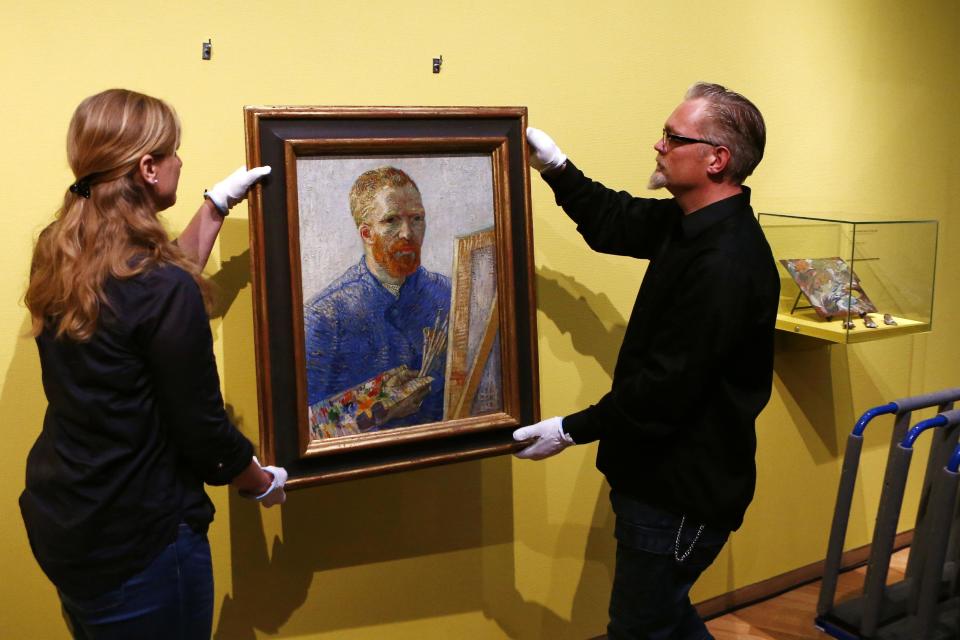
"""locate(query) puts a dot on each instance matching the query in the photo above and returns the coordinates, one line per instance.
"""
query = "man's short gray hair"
(734, 122)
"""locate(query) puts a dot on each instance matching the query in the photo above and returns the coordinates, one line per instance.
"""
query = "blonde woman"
(114, 503)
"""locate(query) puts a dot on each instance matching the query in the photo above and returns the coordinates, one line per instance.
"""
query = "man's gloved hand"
(550, 439)
(545, 155)
(234, 187)
(275, 494)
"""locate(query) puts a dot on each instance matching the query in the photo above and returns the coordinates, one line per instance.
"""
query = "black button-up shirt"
(696, 364)
(135, 425)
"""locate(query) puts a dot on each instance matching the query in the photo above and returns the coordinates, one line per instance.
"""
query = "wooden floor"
(790, 616)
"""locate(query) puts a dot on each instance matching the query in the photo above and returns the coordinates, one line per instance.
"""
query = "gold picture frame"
(470, 164)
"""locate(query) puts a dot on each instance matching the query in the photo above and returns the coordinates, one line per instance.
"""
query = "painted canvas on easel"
(830, 285)
(473, 384)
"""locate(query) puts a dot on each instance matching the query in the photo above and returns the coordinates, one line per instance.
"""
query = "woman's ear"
(148, 169)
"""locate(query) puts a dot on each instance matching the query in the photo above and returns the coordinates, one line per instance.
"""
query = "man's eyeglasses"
(676, 139)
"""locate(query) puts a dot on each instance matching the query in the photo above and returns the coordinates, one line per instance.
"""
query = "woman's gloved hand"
(234, 187)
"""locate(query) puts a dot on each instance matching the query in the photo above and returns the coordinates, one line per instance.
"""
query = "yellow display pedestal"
(808, 323)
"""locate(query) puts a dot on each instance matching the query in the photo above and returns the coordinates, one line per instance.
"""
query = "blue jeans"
(650, 598)
(172, 598)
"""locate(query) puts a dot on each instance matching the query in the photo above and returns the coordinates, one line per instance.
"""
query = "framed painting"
(830, 285)
(392, 269)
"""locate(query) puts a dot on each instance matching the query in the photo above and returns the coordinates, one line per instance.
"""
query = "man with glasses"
(676, 431)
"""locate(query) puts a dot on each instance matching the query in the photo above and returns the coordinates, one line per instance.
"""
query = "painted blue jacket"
(355, 329)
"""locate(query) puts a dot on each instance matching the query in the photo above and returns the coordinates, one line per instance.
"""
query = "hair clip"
(81, 187)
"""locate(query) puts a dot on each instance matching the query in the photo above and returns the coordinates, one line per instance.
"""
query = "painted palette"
(830, 285)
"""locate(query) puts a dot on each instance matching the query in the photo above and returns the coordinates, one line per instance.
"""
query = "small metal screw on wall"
(207, 50)
(436, 64)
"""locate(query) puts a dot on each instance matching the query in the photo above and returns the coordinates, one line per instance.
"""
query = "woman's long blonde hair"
(113, 233)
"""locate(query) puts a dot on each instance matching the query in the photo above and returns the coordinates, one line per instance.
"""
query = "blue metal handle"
(870, 414)
(938, 420)
(953, 465)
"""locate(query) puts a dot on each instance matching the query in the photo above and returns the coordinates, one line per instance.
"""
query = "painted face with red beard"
(394, 230)
(399, 258)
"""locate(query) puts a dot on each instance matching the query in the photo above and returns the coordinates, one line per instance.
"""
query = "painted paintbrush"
(434, 342)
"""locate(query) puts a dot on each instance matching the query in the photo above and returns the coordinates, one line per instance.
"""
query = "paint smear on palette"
(369, 405)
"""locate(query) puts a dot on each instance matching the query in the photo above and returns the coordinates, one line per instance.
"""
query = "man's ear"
(147, 168)
(366, 234)
(721, 159)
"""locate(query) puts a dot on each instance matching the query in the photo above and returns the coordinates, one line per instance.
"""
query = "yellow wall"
(860, 99)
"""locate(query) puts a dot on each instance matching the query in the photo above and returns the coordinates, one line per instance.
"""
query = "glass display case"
(847, 282)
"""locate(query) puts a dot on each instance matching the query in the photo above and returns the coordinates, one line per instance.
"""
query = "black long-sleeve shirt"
(135, 425)
(696, 365)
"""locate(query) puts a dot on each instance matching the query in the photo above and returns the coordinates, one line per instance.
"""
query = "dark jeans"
(171, 599)
(650, 586)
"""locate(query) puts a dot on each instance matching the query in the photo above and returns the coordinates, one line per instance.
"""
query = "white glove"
(545, 155)
(550, 439)
(275, 494)
(234, 187)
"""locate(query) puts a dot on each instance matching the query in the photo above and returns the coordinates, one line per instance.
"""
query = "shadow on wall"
(22, 402)
(592, 321)
(233, 276)
(596, 329)
(395, 548)
(403, 547)
(30, 600)
(380, 531)
(826, 387)
(804, 380)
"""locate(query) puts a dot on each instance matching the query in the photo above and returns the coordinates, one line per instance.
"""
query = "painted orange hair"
(366, 187)
(115, 233)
